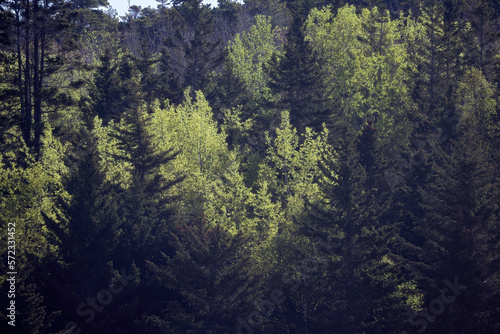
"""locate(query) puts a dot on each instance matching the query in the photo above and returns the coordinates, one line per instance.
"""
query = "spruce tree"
(202, 50)
(296, 78)
(481, 14)
(146, 199)
(361, 283)
(439, 59)
(118, 224)
(461, 228)
(210, 273)
(92, 229)
(231, 93)
(104, 92)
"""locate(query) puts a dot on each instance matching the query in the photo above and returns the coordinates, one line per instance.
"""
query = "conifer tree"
(92, 229)
(201, 49)
(364, 290)
(462, 233)
(169, 86)
(40, 28)
(231, 93)
(481, 14)
(123, 220)
(210, 273)
(296, 78)
(146, 214)
(439, 58)
(105, 89)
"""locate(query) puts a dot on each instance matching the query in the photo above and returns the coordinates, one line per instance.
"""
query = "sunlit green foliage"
(366, 65)
(292, 165)
(250, 51)
(265, 166)
(30, 192)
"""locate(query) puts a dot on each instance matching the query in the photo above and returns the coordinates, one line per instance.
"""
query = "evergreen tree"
(297, 79)
(462, 236)
(93, 230)
(210, 273)
(231, 93)
(202, 50)
(118, 223)
(481, 16)
(146, 215)
(168, 84)
(104, 97)
(438, 61)
(146, 39)
(362, 288)
(40, 28)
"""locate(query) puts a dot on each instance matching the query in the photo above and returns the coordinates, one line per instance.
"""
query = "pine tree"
(231, 93)
(210, 273)
(480, 14)
(366, 291)
(439, 61)
(168, 84)
(40, 27)
(296, 78)
(147, 214)
(462, 233)
(92, 229)
(105, 89)
(118, 224)
(202, 51)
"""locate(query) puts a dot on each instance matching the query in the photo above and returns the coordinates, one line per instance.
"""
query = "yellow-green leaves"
(292, 167)
(116, 171)
(335, 39)
(288, 178)
(365, 63)
(228, 202)
(213, 183)
(190, 129)
(32, 191)
(250, 51)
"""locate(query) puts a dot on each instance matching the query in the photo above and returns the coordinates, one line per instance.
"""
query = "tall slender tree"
(461, 227)
(296, 78)
(147, 215)
(40, 28)
(202, 50)
(365, 290)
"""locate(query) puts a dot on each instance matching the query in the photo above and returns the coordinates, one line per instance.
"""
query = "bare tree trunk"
(38, 55)
(36, 78)
(24, 128)
(431, 87)
(27, 76)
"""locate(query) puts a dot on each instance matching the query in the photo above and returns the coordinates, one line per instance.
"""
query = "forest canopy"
(265, 166)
